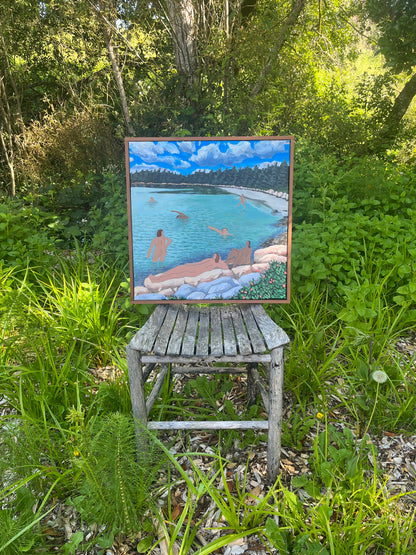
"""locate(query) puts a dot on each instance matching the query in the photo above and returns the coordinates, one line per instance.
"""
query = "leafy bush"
(24, 237)
(63, 145)
(107, 220)
(375, 186)
(332, 253)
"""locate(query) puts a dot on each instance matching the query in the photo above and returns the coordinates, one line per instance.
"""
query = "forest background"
(75, 79)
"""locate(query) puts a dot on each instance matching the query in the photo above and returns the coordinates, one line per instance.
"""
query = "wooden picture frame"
(210, 219)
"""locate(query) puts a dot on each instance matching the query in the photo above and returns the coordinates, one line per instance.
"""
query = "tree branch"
(397, 112)
(290, 21)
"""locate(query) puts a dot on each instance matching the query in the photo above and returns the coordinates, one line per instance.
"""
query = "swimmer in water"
(181, 215)
(223, 232)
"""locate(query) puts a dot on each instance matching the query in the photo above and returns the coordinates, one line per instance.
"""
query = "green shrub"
(26, 234)
(331, 253)
(107, 220)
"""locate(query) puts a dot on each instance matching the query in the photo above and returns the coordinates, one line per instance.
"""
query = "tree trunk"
(400, 107)
(6, 135)
(183, 26)
(11, 121)
(119, 79)
(297, 7)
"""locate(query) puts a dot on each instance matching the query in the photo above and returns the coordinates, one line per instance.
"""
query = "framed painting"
(209, 219)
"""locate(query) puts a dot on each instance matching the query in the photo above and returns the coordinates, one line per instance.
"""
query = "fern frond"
(117, 488)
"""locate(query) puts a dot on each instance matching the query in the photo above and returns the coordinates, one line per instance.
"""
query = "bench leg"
(275, 413)
(138, 399)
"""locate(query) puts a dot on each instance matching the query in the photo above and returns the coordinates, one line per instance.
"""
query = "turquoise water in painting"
(191, 238)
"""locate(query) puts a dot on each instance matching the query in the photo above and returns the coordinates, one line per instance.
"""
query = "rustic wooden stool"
(178, 336)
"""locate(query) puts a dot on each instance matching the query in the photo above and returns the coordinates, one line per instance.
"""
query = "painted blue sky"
(186, 157)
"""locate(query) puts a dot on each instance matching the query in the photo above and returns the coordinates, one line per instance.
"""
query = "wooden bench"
(180, 338)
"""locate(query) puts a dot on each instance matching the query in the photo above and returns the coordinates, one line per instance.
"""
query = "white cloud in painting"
(267, 164)
(202, 170)
(236, 152)
(208, 155)
(142, 167)
(266, 149)
(174, 162)
(186, 146)
(211, 155)
(150, 151)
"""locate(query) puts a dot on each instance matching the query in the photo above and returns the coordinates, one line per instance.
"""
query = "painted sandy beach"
(276, 201)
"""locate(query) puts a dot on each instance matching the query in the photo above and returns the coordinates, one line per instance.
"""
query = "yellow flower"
(77, 453)
(319, 415)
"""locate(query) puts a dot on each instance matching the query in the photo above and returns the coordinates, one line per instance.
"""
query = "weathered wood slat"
(275, 413)
(216, 343)
(272, 333)
(243, 342)
(147, 370)
(256, 339)
(261, 389)
(203, 332)
(145, 337)
(138, 400)
(165, 331)
(209, 369)
(156, 388)
(210, 425)
(186, 359)
(188, 344)
(175, 342)
(230, 345)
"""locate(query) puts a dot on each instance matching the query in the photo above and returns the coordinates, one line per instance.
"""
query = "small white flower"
(379, 376)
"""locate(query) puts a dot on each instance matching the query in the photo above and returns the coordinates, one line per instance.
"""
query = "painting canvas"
(209, 219)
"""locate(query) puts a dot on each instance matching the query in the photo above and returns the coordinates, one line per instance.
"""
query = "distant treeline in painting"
(271, 177)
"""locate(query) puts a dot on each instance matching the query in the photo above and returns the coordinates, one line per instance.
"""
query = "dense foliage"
(75, 78)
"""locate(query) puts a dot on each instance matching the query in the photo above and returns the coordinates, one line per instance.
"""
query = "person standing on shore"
(160, 243)
(242, 201)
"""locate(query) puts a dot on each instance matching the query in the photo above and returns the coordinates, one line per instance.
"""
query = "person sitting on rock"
(240, 257)
(191, 269)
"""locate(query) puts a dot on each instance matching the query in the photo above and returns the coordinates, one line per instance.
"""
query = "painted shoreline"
(275, 200)
(272, 200)
(219, 282)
